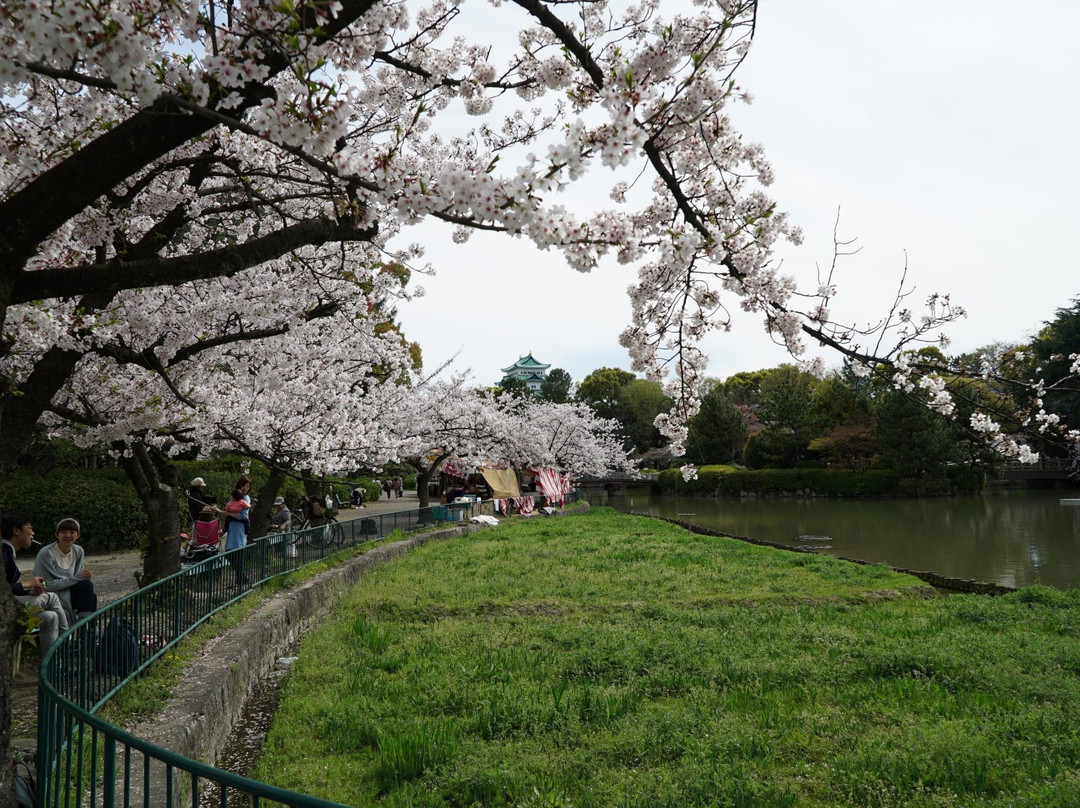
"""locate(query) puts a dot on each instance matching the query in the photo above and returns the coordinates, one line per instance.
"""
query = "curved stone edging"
(209, 700)
(934, 579)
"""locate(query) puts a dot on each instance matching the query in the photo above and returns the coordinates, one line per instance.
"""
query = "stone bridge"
(1050, 470)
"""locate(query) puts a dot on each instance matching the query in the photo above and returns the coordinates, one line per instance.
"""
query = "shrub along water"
(611, 660)
(728, 481)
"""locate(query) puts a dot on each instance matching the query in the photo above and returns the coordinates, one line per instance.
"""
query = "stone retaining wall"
(210, 699)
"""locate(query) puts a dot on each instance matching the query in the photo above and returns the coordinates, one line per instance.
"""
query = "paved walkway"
(114, 572)
(406, 502)
(114, 577)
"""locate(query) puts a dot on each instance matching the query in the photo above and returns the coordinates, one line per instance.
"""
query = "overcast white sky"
(948, 136)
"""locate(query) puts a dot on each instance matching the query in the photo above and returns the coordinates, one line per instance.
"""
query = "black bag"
(25, 788)
(117, 652)
(83, 597)
(318, 510)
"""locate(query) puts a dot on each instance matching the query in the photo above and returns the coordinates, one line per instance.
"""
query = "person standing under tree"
(281, 518)
(236, 532)
(197, 499)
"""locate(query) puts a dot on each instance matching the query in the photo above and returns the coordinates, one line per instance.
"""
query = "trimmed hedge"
(726, 481)
(109, 511)
(104, 502)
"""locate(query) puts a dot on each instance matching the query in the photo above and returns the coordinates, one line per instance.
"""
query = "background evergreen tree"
(556, 386)
(718, 433)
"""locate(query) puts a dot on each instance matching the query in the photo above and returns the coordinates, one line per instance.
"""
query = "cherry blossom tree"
(294, 381)
(568, 437)
(151, 144)
(445, 418)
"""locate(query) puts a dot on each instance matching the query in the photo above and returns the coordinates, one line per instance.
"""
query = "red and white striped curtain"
(554, 486)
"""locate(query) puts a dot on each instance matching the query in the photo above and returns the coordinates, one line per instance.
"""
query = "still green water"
(1012, 538)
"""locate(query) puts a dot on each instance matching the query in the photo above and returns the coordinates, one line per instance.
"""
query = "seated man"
(17, 533)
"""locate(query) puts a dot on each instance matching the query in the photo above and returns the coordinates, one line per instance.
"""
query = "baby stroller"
(206, 537)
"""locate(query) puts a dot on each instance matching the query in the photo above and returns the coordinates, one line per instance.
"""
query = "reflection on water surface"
(1012, 538)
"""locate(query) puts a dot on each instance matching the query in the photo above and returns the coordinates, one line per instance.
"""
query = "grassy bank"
(609, 660)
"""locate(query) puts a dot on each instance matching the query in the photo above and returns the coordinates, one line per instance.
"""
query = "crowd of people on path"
(60, 588)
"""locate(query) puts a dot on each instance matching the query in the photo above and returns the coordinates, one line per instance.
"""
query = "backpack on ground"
(117, 652)
(25, 787)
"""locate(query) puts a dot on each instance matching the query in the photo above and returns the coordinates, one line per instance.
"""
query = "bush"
(771, 448)
(967, 479)
(104, 502)
(727, 481)
(707, 480)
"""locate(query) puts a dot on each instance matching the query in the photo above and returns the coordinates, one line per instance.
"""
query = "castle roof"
(527, 362)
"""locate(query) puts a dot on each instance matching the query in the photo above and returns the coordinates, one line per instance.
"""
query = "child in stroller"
(206, 539)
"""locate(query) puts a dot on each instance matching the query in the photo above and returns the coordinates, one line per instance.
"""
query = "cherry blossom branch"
(224, 262)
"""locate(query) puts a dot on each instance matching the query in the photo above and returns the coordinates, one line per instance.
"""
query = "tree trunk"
(8, 637)
(260, 514)
(424, 472)
(156, 482)
(423, 477)
(311, 485)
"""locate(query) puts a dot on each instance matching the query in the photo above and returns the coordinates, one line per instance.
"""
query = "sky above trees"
(945, 142)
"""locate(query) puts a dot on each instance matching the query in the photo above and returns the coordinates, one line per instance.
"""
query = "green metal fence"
(84, 761)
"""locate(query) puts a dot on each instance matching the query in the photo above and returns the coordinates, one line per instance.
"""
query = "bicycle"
(331, 535)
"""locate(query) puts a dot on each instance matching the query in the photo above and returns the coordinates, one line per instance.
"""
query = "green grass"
(146, 695)
(609, 660)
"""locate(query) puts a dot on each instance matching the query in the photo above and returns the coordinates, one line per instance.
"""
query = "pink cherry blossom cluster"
(177, 173)
(445, 417)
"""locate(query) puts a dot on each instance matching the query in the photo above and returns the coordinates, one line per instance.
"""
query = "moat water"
(1008, 537)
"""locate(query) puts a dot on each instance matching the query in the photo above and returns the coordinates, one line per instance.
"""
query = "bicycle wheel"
(314, 536)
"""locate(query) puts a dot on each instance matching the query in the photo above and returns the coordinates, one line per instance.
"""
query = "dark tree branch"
(119, 275)
(28, 217)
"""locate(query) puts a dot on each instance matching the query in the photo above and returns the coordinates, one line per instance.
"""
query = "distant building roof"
(527, 362)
